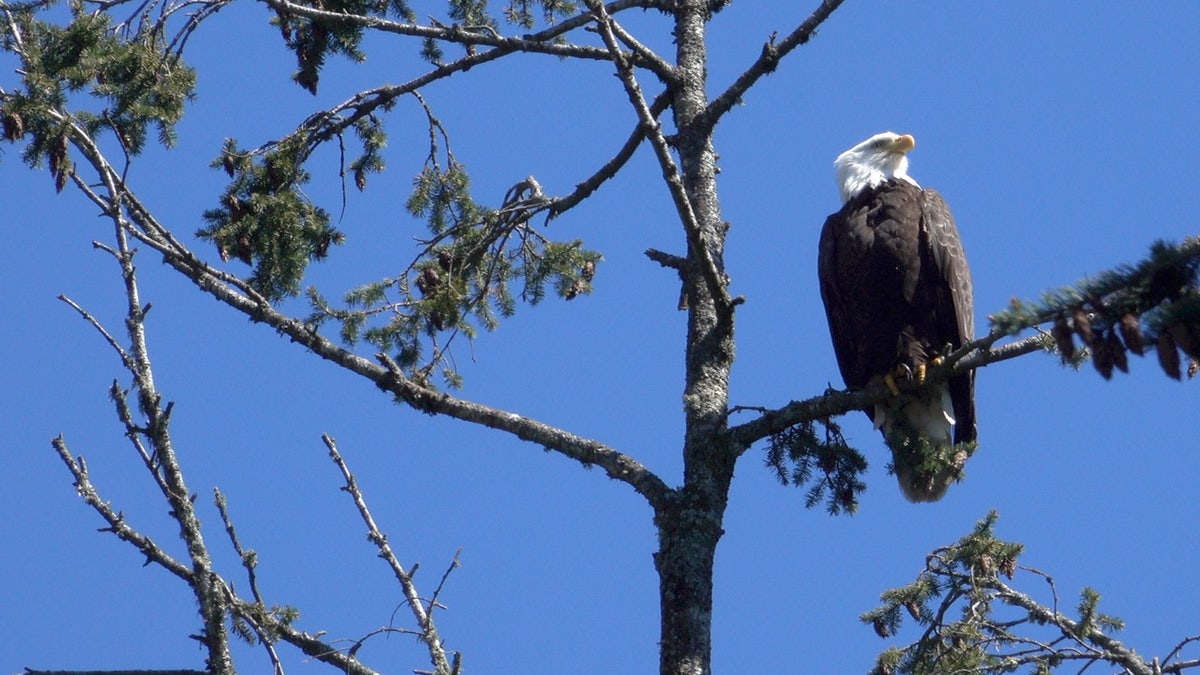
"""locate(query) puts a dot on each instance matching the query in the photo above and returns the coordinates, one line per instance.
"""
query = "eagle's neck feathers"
(872, 163)
(860, 179)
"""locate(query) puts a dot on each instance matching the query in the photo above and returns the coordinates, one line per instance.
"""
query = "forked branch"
(772, 53)
(422, 612)
(713, 277)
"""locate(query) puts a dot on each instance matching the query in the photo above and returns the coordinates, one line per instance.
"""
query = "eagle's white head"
(869, 164)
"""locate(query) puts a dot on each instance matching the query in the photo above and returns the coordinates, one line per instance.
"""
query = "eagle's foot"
(924, 367)
(889, 379)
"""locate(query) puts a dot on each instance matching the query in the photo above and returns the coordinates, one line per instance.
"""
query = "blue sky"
(1062, 135)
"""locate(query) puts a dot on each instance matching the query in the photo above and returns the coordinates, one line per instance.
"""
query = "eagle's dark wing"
(844, 319)
(955, 311)
(870, 274)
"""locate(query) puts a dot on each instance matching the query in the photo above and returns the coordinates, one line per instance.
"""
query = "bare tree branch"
(422, 614)
(116, 519)
(560, 205)
(644, 56)
(772, 53)
(585, 451)
(713, 276)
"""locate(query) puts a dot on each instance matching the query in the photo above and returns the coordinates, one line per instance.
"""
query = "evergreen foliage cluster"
(1153, 305)
(968, 578)
(265, 220)
(468, 274)
(930, 466)
(313, 40)
(797, 452)
(132, 70)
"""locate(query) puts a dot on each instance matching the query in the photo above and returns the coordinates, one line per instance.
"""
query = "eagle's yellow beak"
(904, 144)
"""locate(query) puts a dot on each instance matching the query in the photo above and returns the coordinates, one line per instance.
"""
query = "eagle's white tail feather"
(932, 415)
(931, 418)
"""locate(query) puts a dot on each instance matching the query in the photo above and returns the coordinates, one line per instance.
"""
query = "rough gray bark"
(690, 531)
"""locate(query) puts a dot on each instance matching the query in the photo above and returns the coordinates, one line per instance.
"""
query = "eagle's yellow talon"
(890, 381)
(921, 369)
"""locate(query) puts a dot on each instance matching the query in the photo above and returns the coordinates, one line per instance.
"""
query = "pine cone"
(1083, 326)
(1186, 337)
(1103, 357)
(1168, 356)
(914, 609)
(1117, 350)
(1062, 338)
(1131, 332)
(428, 280)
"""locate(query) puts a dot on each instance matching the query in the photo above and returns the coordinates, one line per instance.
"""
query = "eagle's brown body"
(897, 291)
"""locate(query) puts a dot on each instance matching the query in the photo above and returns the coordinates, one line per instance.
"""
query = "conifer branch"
(772, 53)
(240, 296)
(973, 619)
(310, 645)
(1151, 305)
(544, 42)
(976, 354)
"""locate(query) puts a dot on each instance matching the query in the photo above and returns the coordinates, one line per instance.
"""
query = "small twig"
(677, 263)
(249, 558)
(1178, 648)
(126, 359)
(454, 564)
(115, 519)
(424, 618)
(772, 53)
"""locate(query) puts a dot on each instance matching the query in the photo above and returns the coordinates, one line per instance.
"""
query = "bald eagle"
(897, 294)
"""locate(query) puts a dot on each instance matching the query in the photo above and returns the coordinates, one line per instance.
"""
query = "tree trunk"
(690, 529)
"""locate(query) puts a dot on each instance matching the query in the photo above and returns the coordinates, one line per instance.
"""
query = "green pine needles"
(266, 221)
(974, 622)
(821, 459)
(132, 70)
(467, 275)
